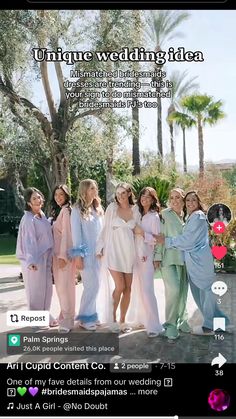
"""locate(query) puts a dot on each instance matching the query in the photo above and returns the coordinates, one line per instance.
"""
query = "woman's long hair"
(218, 211)
(128, 189)
(200, 204)
(55, 208)
(81, 202)
(155, 205)
(27, 196)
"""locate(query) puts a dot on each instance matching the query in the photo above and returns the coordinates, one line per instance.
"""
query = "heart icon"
(33, 390)
(21, 390)
(219, 251)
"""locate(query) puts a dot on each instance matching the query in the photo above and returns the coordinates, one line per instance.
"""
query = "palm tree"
(181, 86)
(204, 111)
(162, 27)
(184, 121)
(135, 110)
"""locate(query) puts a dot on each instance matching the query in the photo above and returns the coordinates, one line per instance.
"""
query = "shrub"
(161, 186)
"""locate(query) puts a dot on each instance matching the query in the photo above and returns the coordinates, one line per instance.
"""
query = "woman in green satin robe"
(172, 266)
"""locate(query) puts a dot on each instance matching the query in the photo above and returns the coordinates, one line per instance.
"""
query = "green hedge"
(161, 186)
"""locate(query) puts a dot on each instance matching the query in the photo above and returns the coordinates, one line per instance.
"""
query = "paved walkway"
(135, 345)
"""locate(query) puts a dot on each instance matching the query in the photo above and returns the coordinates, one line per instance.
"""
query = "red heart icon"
(219, 251)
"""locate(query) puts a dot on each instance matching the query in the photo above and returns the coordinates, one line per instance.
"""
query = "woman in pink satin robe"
(64, 269)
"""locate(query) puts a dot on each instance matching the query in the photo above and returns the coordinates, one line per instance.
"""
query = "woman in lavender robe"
(34, 250)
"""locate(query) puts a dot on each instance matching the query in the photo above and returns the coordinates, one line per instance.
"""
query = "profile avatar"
(219, 212)
(219, 400)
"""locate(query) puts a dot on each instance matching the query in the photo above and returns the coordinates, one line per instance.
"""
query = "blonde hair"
(82, 198)
(178, 190)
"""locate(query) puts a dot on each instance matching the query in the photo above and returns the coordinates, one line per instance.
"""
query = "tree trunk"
(172, 147)
(109, 183)
(18, 190)
(135, 135)
(200, 147)
(184, 152)
(159, 127)
(135, 110)
(159, 111)
(59, 168)
(111, 136)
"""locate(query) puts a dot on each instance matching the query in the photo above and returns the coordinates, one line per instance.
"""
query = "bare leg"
(126, 296)
(119, 280)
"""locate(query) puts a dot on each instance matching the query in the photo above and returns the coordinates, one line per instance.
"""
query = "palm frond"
(162, 25)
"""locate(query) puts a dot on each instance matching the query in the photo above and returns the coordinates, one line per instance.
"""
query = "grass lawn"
(7, 250)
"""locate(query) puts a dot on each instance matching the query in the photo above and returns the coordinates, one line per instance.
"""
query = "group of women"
(117, 254)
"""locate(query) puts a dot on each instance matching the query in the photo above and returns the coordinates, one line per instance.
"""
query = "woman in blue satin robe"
(86, 225)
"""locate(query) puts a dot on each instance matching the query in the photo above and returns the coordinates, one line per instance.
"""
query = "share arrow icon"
(220, 360)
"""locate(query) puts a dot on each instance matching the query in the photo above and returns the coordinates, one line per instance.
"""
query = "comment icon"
(219, 288)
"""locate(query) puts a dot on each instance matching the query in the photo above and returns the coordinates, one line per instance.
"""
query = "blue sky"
(213, 33)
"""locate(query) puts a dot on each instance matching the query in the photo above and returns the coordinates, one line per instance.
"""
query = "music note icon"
(10, 406)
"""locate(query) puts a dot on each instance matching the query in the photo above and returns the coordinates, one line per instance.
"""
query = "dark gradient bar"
(157, 2)
(141, 3)
(120, 4)
(119, 417)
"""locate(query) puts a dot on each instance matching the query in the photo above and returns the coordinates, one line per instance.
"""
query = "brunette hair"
(155, 205)
(27, 196)
(220, 207)
(55, 208)
(128, 189)
(200, 204)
